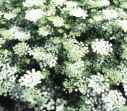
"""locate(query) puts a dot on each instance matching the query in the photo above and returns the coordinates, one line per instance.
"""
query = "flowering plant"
(64, 55)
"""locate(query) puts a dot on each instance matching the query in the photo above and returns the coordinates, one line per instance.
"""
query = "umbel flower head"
(34, 15)
(122, 24)
(58, 2)
(78, 12)
(57, 21)
(31, 78)
(21, 49)
(40, 54)
(74, 10)
(113, 100)
(98, 84)
(31, 3)
(15, 33)
(109, 14)
(101, 47)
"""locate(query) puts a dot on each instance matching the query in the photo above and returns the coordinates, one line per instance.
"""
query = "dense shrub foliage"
(64, 55)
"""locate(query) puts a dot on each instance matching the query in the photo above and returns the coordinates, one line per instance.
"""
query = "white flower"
(57, 21)
(103, 2)
(7, 78)
(122, 24)
(101, 47)
(47, 59)
(45, 30)
(1, 13)
(76, 50)
(125, 88)
(123, 72)
(21, 49)
(34, 15)
(74, 10)
(109, 14)
(58, 2)
(78, 12)
(60, 104)
(31, 78)
(98, 3)
(9, 15)
(74, 69)
(2, 41)
(71, 4)
(51, 11)
(7, 71)
(37, 53)
(15, 33)
(31, 3)
(98, 84)
(112, 100)
(19, 34)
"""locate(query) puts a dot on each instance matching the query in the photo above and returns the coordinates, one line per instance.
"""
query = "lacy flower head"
(34, 15)
(31, 78)
(16, 33)
(101, 47)
(31, 3)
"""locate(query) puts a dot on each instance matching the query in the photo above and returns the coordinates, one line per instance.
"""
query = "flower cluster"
(7, 79)
(113, 100)
(97, 84)
(74, 69)
(58, 3)
(21, 49)
(122, 25)
(75, 50)
(34, 15)
(31, 78)
(31, 3)
(73, 9)
(57, 21)
(109, 14)
(45, 30)
(42, 56)
(15, 33)
(101, 47)
(97, 3)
